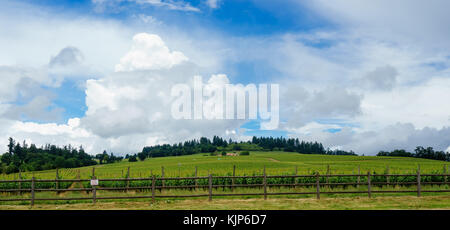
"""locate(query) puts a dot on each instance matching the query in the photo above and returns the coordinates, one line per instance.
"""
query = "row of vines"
(229, 181)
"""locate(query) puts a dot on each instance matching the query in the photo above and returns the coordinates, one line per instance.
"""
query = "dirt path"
(274, 160)
(74, 185)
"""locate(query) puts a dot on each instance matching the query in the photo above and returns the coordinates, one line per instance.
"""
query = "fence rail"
(317, 184)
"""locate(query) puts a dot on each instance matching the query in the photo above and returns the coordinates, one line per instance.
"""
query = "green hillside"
(275, 162)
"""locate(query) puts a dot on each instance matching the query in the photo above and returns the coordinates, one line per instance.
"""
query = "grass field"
(345, 203)
(275, 162)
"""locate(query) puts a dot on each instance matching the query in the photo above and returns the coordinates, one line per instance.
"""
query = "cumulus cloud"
(138, 102)
(149, 52)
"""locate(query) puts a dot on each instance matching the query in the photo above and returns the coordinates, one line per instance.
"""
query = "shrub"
(132, 158)
(244, 153)
(237, 147)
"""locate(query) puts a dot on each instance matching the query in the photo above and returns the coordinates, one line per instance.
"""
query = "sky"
(361, 76)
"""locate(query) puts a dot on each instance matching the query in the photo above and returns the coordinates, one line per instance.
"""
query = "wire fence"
(148, 186)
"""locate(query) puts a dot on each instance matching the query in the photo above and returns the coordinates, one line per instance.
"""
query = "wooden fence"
(210, 186)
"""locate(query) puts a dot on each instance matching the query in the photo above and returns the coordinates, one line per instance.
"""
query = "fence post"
(369, 185)
(20, 183)
(418, 181)
(162, 177)
(196, 182)
(296, 178)
(32, 190)
(153, 188)
(57, 182)
(78, 174)
(388, 178)
(445, 172)
(265, 183)
(128, 178)
(328, 173)
(233, 179)
(359, 176)
(317, 185)
(210, 187)
(94, 192)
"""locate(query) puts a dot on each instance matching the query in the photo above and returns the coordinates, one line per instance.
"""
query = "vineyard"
(276, 163)
(220, 186)
(200, 175)
(259, 174)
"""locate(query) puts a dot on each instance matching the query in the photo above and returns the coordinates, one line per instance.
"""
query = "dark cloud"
(67, 56)
(301, 106)
(382, 78)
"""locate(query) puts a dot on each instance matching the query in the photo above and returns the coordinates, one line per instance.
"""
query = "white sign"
(94, 182)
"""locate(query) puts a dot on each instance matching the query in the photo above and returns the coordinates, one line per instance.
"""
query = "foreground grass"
(350, 203)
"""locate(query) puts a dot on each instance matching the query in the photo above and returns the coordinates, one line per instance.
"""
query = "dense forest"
(419, 152)
(24, 157)
(218, 144)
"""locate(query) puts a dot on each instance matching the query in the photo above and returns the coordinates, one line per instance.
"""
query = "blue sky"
(361, 76)
(236, 17)
(233, 18)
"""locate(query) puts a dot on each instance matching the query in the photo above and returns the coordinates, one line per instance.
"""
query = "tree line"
(295, 145)
(218, 144)
(28, 157)
(419, 152)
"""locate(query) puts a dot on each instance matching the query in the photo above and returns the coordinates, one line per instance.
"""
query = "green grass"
(276, 163)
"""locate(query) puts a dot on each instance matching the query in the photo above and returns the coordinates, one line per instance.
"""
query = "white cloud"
(370, 142)
(213, 4)
(101, 43)
(170, 4)
(421, 105)
(137, 102)
(399, 21)
(149, 52)
(180, 5)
